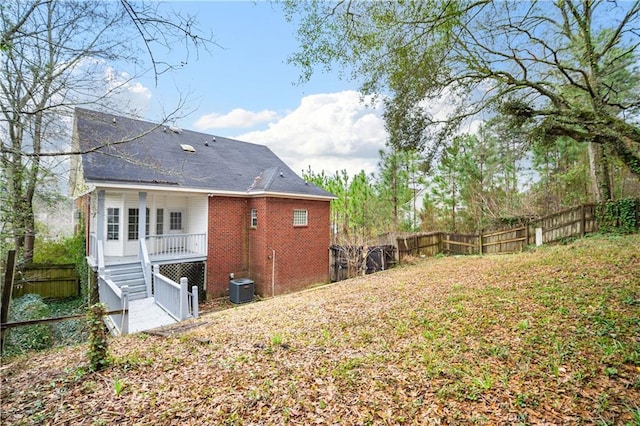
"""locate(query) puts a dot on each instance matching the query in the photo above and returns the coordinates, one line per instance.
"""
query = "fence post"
(6, 292)
(184, 303)
(156, 270)
(194, 301)
(538, 236)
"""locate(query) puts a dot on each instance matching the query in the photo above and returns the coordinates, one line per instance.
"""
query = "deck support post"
(124, 325)
(194, 301)
(184, 298)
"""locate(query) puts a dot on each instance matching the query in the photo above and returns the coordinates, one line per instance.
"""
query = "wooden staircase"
(129, 274)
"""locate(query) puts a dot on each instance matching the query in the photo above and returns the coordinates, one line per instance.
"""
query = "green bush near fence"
(32, 337)
(31, 306)
(619, 217)
(62, 252)
(69, 251)
(43, 336)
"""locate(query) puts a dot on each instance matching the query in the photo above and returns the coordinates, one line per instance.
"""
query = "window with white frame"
(175, 221)
(159, 221)
(254, 218)
(134, 217)
(300, 218)
(113, 223)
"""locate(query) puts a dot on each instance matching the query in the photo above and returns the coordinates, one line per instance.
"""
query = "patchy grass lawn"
(548, 336)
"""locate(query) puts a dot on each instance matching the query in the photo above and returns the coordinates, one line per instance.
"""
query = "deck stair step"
(129, 274)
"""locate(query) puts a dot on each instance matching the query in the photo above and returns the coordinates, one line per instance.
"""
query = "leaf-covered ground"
(550, 336)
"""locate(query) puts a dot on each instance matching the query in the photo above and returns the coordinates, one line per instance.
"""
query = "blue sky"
(246, 89)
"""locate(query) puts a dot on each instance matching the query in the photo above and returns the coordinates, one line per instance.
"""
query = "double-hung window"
(159, 221)
(254, 218)
(175, 221)
(113, 223)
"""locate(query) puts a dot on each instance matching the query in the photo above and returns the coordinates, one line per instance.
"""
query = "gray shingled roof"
(155, 157)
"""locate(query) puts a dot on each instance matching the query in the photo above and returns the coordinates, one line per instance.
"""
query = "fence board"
(505, 241)
(49, 281)
(571, 222)
(425, 244)
(460, 244)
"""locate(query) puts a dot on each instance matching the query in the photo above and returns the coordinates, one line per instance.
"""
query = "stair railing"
(174, 297)
(143, 255)
(114, 298)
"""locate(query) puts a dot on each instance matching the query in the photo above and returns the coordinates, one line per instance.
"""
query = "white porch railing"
(114, 298)
(175, 298)
(160, 245)
(177, 244)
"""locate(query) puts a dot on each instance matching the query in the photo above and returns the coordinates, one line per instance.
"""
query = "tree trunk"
(599, 172)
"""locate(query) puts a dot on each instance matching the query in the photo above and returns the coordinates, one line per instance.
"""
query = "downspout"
(273, 272)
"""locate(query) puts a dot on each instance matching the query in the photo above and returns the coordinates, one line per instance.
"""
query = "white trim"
(254, 216)
(243, 194)
(288, 195)
(298, 215)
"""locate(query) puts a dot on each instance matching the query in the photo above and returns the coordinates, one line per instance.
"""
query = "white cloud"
(126, 93)
(330, 132)
(237, 118)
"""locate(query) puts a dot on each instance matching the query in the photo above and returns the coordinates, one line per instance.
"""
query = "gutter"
(219, 193)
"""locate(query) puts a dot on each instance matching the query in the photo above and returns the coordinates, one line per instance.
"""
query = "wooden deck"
(144, 314)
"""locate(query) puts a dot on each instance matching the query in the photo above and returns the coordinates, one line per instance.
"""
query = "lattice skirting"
(195, 273)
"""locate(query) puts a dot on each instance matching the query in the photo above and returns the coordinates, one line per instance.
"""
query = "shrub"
(32, 337)
(69, 251)
(619, 216)
(51, 252)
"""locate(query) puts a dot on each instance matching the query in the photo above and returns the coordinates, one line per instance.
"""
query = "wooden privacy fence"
(572, 222)
(49, 281)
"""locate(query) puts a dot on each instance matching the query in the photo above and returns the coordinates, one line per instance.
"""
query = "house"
(195, 205)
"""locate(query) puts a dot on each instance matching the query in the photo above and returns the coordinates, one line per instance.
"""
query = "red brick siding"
(258, 245)
(228, 243)
(301, 253)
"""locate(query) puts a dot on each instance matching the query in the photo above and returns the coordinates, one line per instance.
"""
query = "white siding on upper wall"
(197, 214)
(194, 208)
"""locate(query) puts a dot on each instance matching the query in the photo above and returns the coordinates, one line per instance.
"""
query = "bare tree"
(56, 55)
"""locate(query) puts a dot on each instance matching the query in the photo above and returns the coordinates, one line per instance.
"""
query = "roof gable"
(125, 150)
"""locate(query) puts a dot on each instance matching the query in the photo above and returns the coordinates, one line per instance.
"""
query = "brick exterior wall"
(228, 243)
(301, 252)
